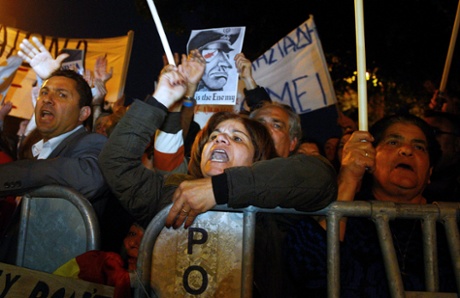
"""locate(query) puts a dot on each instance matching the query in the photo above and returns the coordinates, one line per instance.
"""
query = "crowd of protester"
(131, 161)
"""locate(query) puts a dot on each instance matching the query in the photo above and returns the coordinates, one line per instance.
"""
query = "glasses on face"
(210, 54)
(438, 132)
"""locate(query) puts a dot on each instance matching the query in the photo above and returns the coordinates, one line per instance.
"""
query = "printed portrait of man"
(215, 46)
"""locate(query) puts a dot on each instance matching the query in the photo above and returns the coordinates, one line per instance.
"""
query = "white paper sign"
(219, 84)
(294, 71)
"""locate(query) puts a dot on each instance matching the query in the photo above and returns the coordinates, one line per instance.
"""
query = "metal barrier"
(380, 212)
(56, 225)
(245, 224)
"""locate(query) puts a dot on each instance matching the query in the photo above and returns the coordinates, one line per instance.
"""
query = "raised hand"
(243, 65)
(171, 86)
(193, 67)
(99, 92)
(100, 69)
(88, 77)
(40, 58)
(244, 68)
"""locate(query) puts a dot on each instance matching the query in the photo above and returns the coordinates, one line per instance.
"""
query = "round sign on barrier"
(204, 260)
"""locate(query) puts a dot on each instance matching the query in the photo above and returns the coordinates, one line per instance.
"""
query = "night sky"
(406, 39)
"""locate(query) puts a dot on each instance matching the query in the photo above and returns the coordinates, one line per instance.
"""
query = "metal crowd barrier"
(56, 224)
(380, 212)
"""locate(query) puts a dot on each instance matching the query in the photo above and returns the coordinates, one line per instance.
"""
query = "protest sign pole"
(361, 64)
(450, 52)
(161, 32)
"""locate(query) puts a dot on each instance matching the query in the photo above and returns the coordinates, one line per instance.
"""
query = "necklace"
(398, 244)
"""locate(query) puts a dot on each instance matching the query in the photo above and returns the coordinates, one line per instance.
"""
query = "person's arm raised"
(40, 58)
(171, 86)
(244, 67)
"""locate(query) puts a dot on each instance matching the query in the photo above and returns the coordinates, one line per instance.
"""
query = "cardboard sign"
(22, 282)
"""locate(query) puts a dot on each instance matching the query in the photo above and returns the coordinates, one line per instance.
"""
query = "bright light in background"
(369, 77)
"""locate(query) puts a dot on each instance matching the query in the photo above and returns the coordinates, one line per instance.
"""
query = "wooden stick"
(361, 64)
(161, 32)
(450, 52)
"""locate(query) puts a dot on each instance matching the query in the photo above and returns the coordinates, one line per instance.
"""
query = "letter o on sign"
(204, 277)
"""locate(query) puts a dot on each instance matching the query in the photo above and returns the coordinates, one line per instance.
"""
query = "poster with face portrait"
(218, 46)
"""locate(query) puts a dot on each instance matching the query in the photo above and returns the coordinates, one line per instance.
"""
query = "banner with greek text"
(294, 71)
(117, 49)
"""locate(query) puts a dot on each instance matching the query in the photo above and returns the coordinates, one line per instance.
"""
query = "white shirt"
(41, 150)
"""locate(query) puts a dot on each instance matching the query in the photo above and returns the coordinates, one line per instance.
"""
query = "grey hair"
(295, 127)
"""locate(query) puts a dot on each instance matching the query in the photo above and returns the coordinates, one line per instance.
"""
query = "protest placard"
(117, 49)
(218, 46)
(294, 70)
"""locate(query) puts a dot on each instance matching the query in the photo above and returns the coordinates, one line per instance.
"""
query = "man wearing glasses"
(215, 47)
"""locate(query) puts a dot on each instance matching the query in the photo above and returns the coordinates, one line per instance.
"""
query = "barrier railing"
(380, 212)
(56, 224)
